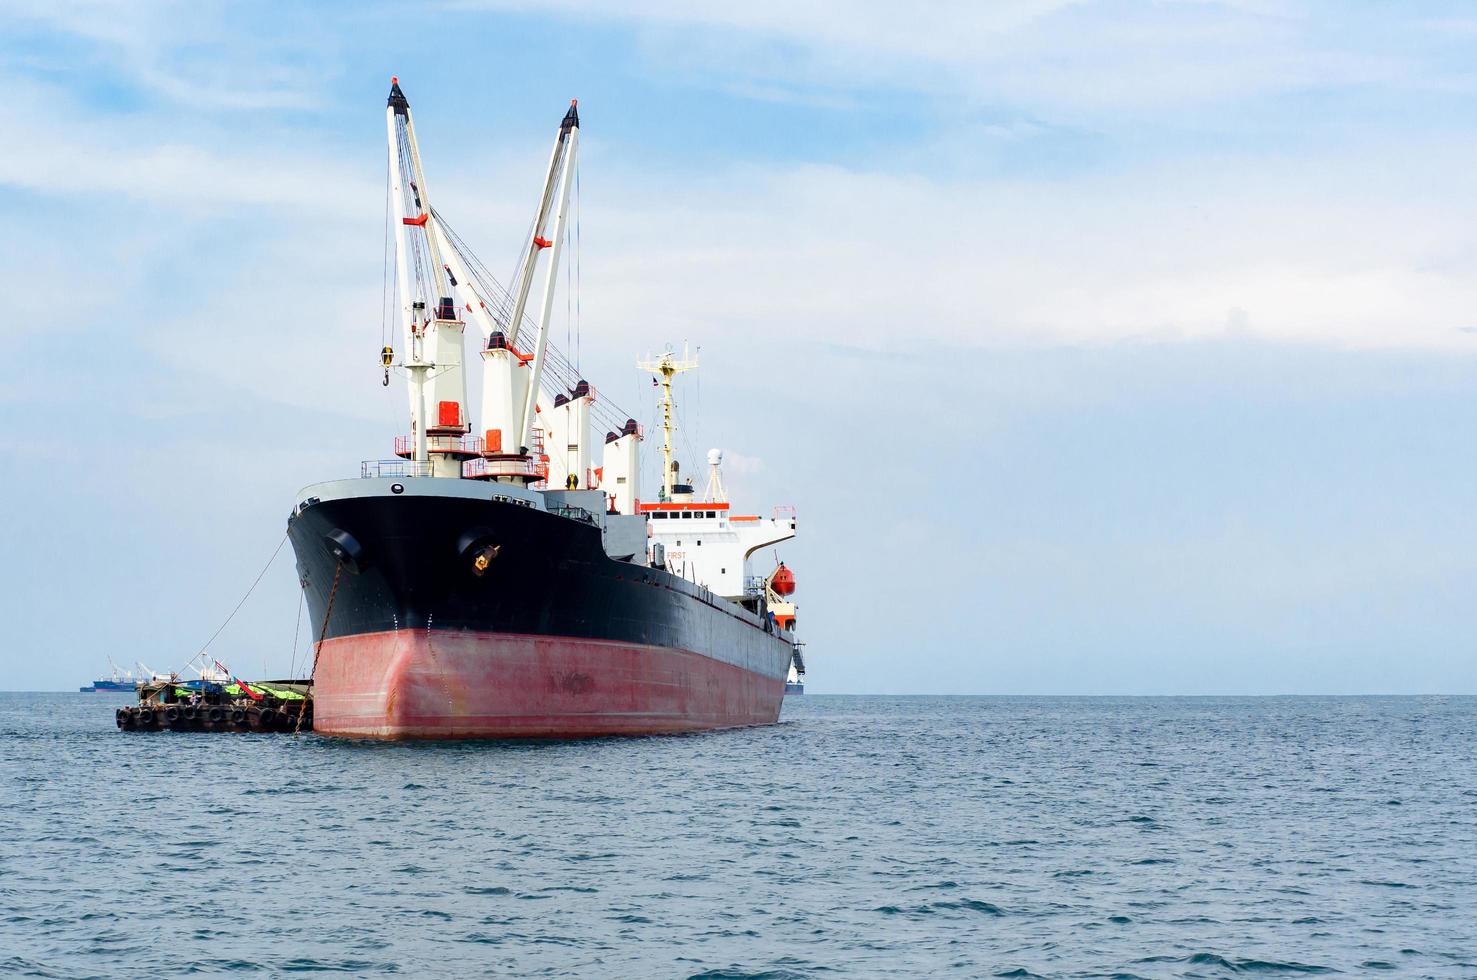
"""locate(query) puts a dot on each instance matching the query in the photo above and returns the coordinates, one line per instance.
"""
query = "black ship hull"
(460, 616)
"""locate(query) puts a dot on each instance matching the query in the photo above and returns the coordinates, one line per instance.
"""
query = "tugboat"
(507, 579)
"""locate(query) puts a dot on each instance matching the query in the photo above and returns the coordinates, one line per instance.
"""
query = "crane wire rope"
(424, 274)
(577, 257)
(558, 367)
(568, 294)
(296, 630)
(385, 271)
(503, 310)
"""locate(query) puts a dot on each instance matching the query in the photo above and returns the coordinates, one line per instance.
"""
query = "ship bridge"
(709, 545)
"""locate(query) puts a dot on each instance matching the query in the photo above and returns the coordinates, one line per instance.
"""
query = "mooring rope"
(297, 627)
(249, 591)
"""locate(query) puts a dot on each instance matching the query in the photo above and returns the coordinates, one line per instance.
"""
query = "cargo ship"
(118, 680)
(508, 579)
(103, 684)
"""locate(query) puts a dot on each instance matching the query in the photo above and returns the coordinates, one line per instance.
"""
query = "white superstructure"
(710, 546)
(702, 540)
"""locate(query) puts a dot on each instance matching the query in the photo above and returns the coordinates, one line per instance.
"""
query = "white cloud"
(741, 464)
(56, 147)
(279, 236)
(1069, 57)
(200, 54)
(873, 259)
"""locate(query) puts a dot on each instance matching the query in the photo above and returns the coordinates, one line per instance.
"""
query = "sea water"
(862, 836)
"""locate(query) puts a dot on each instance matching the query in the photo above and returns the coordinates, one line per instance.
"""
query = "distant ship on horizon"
(118, 680)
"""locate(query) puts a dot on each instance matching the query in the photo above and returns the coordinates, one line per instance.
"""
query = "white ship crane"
(566, 151)
(432, 337)
(440, 285)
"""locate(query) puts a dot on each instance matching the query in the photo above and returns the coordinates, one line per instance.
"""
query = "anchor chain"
(338, 571)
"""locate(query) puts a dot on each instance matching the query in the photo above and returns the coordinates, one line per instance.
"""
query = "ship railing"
(574, 514)
(447, 445)
(515, 466)
(393, 468)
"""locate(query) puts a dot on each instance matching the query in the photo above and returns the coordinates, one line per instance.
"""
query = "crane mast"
(566, 151)
(413, 359)
(524, 279)
(433, 337)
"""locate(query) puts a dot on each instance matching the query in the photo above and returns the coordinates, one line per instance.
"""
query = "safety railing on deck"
(450, 445)
(574, 514)
(393, 468)
(518, 467)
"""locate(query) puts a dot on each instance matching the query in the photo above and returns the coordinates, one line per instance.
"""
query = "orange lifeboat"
(782, 581)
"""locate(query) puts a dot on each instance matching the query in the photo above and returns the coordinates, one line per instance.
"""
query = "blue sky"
(1104, 347)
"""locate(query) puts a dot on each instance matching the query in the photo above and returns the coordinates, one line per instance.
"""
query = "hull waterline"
(421, 684)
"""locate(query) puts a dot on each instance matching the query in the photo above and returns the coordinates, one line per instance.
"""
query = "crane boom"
(566, 151)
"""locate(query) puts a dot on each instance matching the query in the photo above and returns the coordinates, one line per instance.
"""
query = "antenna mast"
(665, 367)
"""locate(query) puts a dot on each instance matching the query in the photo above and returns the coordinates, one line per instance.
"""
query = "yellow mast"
(665, 367)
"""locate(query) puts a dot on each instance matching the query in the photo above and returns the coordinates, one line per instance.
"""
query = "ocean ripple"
(898, 837)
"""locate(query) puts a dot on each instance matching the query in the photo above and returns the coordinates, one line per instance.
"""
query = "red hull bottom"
(412, 684)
